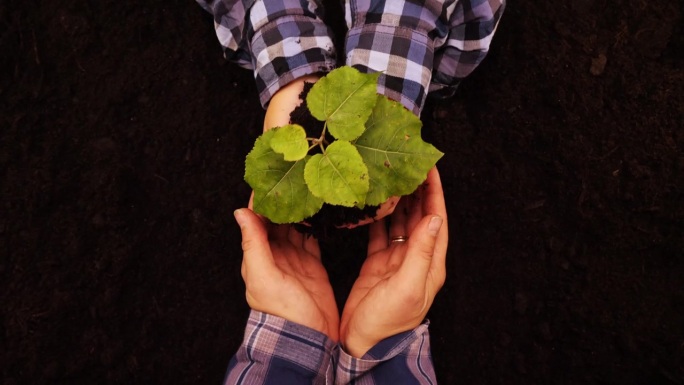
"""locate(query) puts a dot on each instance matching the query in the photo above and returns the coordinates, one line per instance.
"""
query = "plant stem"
(322, 140)
(325, 129)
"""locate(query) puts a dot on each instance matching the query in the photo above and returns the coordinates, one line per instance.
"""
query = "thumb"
(420, 249)
(255, 247)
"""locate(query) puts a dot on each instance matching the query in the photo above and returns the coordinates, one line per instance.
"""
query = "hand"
(284, 276)
(285, 101)
(398, 281)
(386, 208)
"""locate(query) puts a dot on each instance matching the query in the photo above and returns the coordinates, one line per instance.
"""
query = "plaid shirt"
(419, 46)
(279, 352)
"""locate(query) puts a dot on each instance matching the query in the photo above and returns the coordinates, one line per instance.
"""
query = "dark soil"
(123, 134)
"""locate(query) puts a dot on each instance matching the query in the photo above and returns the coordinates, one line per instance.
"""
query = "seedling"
(373, 151)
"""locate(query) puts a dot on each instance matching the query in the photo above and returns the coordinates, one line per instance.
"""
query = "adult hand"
(284, 276)
(399, 280)
(284, 101)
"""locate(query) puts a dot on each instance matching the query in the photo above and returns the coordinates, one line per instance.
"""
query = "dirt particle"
(598, 65)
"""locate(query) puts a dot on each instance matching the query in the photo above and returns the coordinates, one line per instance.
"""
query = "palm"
(285, 278)
(305, 285)
(374, 293)
(398, 281)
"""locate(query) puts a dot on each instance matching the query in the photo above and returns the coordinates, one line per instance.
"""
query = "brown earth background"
(123, 134)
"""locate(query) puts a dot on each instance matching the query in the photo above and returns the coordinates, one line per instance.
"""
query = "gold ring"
(399, 238)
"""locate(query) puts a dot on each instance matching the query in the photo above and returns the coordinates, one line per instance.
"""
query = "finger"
(297, 240)
(256, 250)
(415, 209)
(250, 206)
(386, 208)
(288, 260)
(433, 195)
(311, 246)
(279, 233)
(278, 238)
(377, 237)
(304, 243)
(420, 251)
(433, 203)
(295, 237)
(398, 220)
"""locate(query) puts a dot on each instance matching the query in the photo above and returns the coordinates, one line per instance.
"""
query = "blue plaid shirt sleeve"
(275, 351)
(419, 46)
(280, 40)
(402, 359)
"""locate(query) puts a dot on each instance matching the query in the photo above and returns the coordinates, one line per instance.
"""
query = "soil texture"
(123, 134)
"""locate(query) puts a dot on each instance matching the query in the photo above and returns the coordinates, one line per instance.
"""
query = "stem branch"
(322, 140)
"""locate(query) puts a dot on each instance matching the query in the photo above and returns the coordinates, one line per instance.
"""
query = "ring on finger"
(399, 239)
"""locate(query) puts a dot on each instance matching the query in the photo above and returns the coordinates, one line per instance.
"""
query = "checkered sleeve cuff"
(403, 56)
(405, 356)
(275, 351)
(288, 40)
(473, 24)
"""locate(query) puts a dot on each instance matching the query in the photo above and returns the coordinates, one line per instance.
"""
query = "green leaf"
(344, 99)
(290, 141)
(280, 192)
(398, 159)
(339, 176)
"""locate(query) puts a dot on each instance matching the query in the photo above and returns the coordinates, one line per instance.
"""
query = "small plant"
(370, 149)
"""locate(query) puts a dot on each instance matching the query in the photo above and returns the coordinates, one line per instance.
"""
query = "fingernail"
(239, 216)
(434, 225)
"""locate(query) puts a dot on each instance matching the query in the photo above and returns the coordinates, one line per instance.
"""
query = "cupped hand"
(284, 276)
(399, 280)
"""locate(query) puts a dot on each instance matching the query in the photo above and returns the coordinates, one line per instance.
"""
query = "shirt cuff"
(398, 357)
(273, 346)
(403, 55)
(287, 48)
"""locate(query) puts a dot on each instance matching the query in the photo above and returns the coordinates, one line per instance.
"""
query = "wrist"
(354, 350)
(355, 345)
